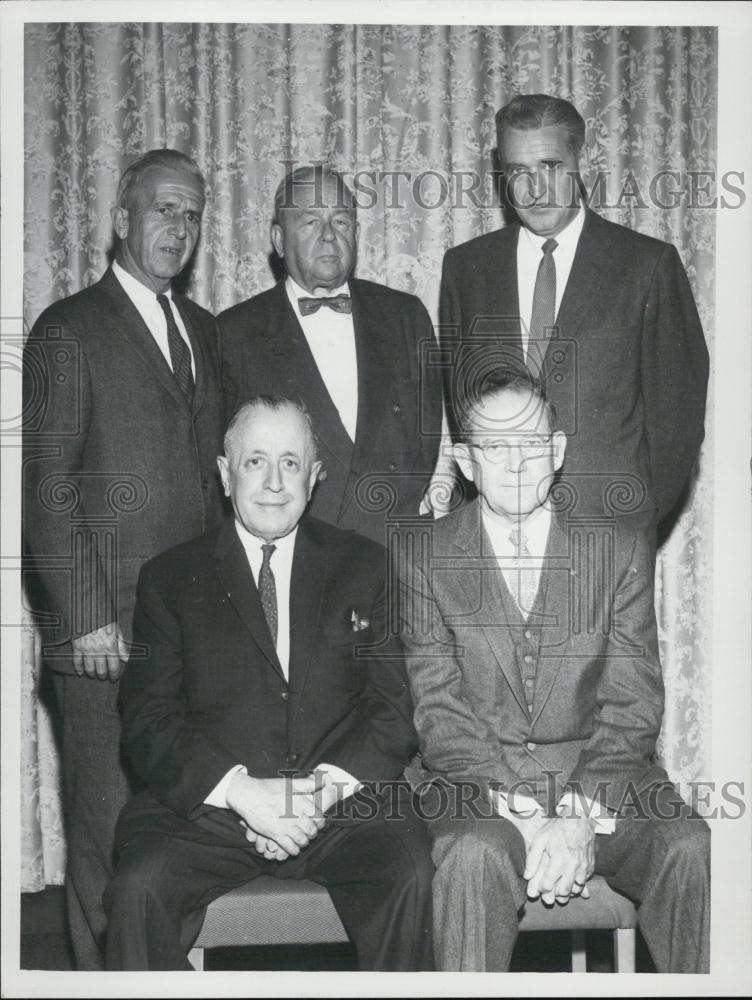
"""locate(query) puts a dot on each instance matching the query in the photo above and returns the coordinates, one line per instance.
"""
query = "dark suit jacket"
(598, 696)
(629, 374)
(211, 693)
(264, 350)
(117, 466)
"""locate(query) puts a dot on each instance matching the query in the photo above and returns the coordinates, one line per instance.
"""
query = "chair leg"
(624, 949)
(196, 958)
(579, 954)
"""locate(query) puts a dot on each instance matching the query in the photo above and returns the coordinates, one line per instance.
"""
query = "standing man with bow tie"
(604, 314)
(123, 422)
(355, 352)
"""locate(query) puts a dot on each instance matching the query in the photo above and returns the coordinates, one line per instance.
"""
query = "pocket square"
(357, 623)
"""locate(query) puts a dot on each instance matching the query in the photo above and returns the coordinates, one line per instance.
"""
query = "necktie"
(544, 309)
(527, 578)
(268, 591)
(179, 353)
(339, 303)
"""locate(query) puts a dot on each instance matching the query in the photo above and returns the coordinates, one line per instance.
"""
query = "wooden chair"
(269, 911)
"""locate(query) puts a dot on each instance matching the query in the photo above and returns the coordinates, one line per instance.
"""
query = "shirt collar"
(294, 289)
(252, 543)
(567, 239)
(136, 290)
(535, 528)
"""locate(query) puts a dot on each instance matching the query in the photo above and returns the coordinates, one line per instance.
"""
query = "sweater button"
(531, 745)
(285, 695)
(292, 758)
(528, 634)
(396, 409)
(528, 658)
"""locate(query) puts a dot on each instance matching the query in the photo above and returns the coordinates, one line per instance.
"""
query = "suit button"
(392, 466)
(292, 758)
(530, 745)
(396, 409)
(285, 695)
(205, 484)
(528, 658)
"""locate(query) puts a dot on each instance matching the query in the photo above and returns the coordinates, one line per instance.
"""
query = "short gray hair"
(171, 159)
(274, 402)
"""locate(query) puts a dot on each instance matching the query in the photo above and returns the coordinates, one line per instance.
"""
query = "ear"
(119, 216)
(559, 439)
(461, 454)
(313, 476)
(224, 472)
(278, 240)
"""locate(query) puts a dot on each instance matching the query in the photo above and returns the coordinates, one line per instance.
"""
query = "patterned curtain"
(407, 112)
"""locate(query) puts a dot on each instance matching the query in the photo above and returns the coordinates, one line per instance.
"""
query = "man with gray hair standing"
(357, 353)
(123, 422)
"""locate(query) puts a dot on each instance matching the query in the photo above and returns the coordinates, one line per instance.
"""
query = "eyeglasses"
(529, 446)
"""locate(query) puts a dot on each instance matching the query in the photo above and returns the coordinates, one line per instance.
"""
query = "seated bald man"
(269, 720)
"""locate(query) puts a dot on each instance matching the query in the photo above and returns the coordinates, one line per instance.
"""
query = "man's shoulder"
(389, 299)
(182, 559)
(242, 313)
(83, 308)
(342, 544)
(481, 247)
(602, 230)
(197, 313)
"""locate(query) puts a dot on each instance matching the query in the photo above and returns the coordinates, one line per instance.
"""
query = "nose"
(274, 478)
(515, 458)
(327, 231)
(178, 226)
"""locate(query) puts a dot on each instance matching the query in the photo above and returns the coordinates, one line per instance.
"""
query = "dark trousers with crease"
(374, 860)
(97, 783)
(659, 857)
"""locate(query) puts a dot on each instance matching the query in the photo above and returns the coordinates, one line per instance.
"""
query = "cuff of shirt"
(218, 795)
(574, 804)
(346, 784)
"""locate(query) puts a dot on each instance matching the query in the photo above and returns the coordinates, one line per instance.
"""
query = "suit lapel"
(236, 579)
(294, 358)
(558, 590)
(307, 585)
(482, 588)
(374, 372)
(139, 337)
(500, 319)
(585, 278)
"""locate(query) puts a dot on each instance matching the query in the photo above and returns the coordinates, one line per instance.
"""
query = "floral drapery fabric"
(407, 113)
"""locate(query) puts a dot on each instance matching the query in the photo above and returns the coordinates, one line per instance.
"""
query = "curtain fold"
(408, 110)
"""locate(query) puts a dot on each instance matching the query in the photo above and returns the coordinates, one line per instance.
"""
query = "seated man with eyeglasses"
(533, 659)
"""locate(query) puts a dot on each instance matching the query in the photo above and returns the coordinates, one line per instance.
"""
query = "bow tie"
(339, 303)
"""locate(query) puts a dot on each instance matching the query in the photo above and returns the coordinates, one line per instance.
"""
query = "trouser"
(96, 785)
(662, 864)
(378, 872)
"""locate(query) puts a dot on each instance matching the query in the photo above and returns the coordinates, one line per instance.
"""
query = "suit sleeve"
(177, 761)
(454, 743)
(629, 695)
(379, 742)
(674, 379)
(431, 390)
(74, 571)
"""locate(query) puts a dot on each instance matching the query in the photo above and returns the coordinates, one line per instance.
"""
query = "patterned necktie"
(179, 353)
(268, 591)
(339, 303)
(526, 576)
(544, 309)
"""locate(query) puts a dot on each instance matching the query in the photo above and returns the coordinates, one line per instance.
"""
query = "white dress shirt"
(529, 255)
(280, 564)
(145, 300)
(535, 529)
(331, 338)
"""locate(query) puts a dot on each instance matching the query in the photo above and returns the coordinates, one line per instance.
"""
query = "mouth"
(172, 251)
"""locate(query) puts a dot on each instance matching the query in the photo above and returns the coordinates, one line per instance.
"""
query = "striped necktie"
(268, 590)
(179, 353)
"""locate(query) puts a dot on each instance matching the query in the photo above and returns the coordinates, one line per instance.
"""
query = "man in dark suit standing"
(604, 314)
(123, 422)
(355, 352)
(533, 658)
(269, 656)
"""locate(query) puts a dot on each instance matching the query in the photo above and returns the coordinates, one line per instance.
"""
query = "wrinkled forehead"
(532, 145)
(273, 431)
(509, 411)
(159, 181)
